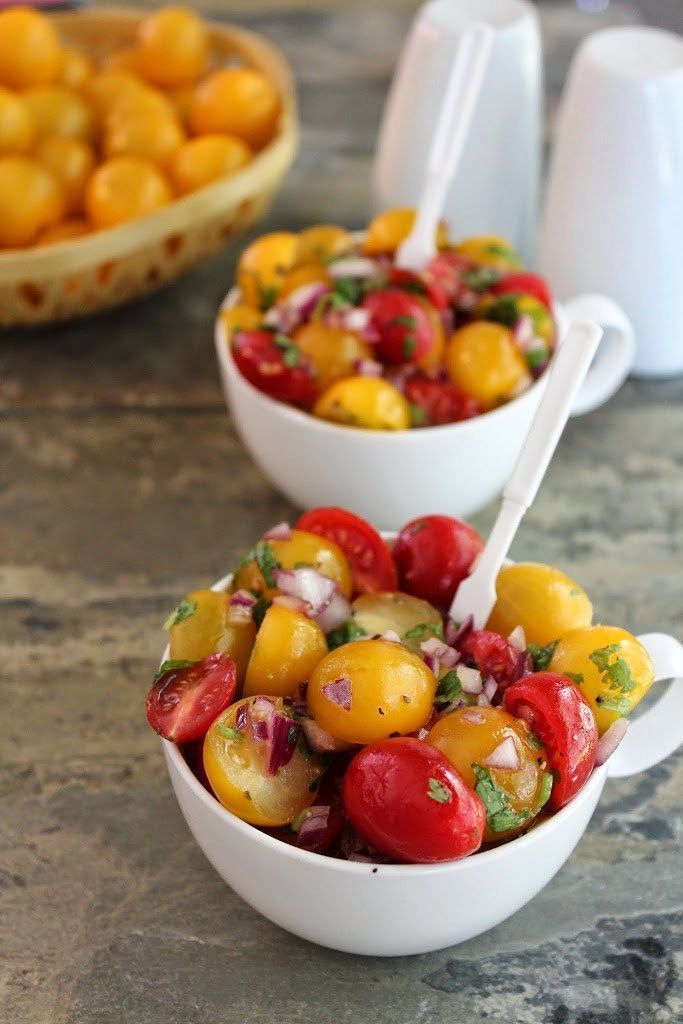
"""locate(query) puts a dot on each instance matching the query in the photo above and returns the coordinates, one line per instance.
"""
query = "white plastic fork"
(452, 127)
(476, 595)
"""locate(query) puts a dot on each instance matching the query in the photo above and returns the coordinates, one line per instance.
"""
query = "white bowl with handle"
(396, 910)
(390, 477)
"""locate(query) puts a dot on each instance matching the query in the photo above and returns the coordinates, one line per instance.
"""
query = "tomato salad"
(327, 697)
(328, 323)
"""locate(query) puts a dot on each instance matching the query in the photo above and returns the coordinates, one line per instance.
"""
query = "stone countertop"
(123, 486)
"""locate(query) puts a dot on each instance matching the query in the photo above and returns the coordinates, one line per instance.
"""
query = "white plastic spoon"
(451, 131)
(476, 595)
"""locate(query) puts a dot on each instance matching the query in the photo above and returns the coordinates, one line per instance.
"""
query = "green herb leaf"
(618, 704)
(348, 290)
(480, 278)
(266, 561)
(185, 609)
(423, 630)
(418, 416)
(541, 656)
(500, 816)
(576, 677)
(533, 740)
(230, 734)
(617, 674)
(600, 657)
(414, 285)
(497, 249)
(449, 689)
(545, 790)
(404, 321)
(536, 357)
(409, 345)
(267, 296)
(258, 612)
(290, 353)
(437, 791)
(345, 634)
(503, 311)
(169, 666)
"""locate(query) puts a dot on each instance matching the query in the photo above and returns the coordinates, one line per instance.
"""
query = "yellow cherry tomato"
(30, 201)
(124, 188)
(322, 243)
(17, 130)
(209, 629)
(209, 158)
(181, 100)
(71, 162)
(151, 136)
(240, 318)
(612, 668)
(436, 353)
(59, 111)
(63, 231)
(468, 737)
(483, 359)
(490, 251)
(109, 88)
(135, 103)
(387, 230)
(237, 769)
(173, 46)
(301, 549)
(76, 69)
(543, 600)
(288, 647)
(29, 49)
(236, 101)
(385, 689)
(333, 351)
(409, 616)
(263, 266)
(301, 275)
(368, 402)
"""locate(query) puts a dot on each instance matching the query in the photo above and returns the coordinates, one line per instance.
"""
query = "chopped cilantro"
(409, 345)
(230, 734)
(293, 734)
(414, 285)
(423, 630)
(498, 249)
(618, 704)
(266, 561)
(290, 352)
(536, 357)
(576, 677)
(500, 816)
(437, 791)
(480, 278)
(344, 634)
(616, 675)
(185, 609)
(418, 416)
(533, 740)
(169, 666)
(267, 296)
(449, 689)
(541, 656)
(504, 311)
(348, 289)
(258, 612)
(545, 790)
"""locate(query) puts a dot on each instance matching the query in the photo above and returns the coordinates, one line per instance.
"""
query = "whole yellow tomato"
(371, 689)
(71, 162)
(322, 243)
(490, 251)
(30, 201)
(388, 229)
(59, 111)
(172, 46)
(368, 402)
(237, 101)
(124, 188)
(543, 600)
(209, 629)
(288, 647)
(332, 351)
(199, 162)
(17, 130)
(29, 49)
(483, 359)
(610, 666)
(153, 137)
(263, 267)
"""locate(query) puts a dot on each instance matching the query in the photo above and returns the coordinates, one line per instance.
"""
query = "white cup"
(495, 190)
(614, 209)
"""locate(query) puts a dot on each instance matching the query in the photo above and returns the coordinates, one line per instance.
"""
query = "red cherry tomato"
(444, 272)
(527, 284)
(272, 368)
(371, 562)
(491, 654)
(405, 798)
(184, 702)
(422, 284)
(440, 401)
(433, 555)
(560, 715)
(406, 334)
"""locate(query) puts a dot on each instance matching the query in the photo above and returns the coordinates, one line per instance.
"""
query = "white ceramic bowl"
(391, 477)
(395, 910)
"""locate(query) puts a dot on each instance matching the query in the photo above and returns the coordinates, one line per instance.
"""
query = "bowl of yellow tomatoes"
(354, 382)
(132, 147)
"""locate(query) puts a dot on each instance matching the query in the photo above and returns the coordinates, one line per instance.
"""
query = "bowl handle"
(658, 732)
(616, 353)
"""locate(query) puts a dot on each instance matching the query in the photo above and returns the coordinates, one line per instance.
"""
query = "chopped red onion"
(263, 704)
(339, 692)
(280, 532)
(238, 614)
(284, 733)
(321, 741)
(456, 634)
(242, 599)
(391, 635)
(517, 639)
(353, 318)
(353, 266)
(264, 708)
(490, 688)
(309, 585)
(368, 368)
(448, 321)
(313, 825)
(295, 604)
(432, 664)
(610, 740)
(241, 718)
(504, 756)
(473, 717)
(483, 701)
(523, 329)
(447, 656)
(338, 612)
(259, 729)
(470, 679)
(525, 665)
(304, 300)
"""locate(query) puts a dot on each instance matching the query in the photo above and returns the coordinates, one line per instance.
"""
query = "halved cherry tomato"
(279, 370)
(556, 710)
(328, 795)
(491, 654)
(371, 562)
(527, 284)
(406, 332)
(406, 799)
(441, 401)
(184, 702)
(433, 555)
(445, 274)
(420, 283)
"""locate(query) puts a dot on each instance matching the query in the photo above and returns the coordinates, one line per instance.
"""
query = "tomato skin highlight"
(406, 333)
(556, 710)
(441, 401)
(371, 561)
(527, 284)
(262, 362)
(184, 702)
(386, 792)
(433, 555)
